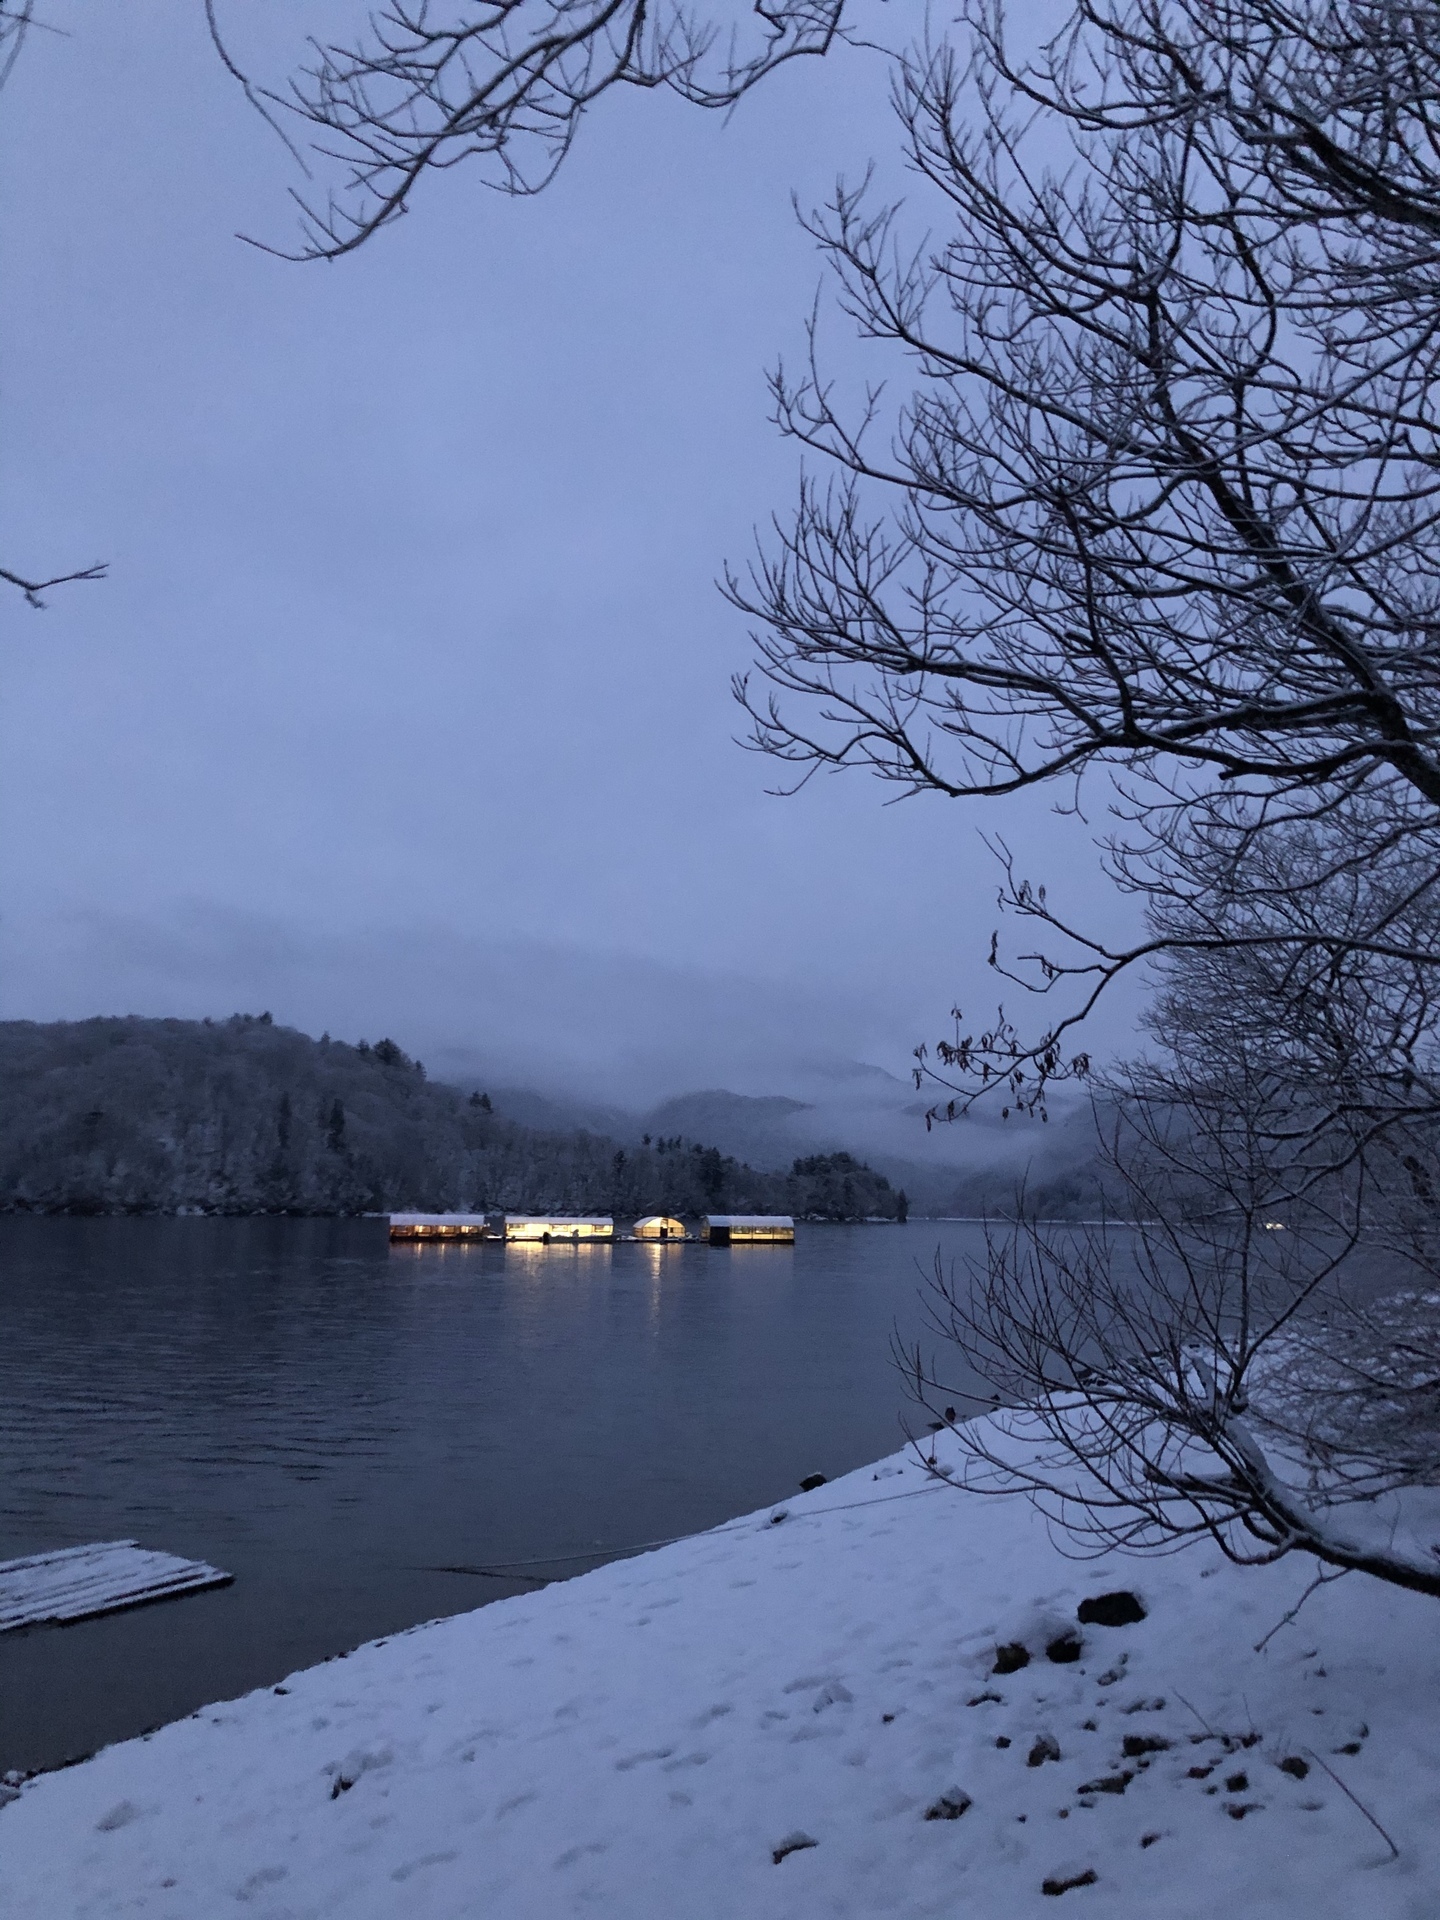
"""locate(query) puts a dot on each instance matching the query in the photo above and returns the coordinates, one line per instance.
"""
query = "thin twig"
(32, 589)
(1394, 1850)
(1197, 1713)
(1321, 1580)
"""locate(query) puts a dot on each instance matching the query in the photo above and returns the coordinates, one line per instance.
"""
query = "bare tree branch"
(501, 85)
(32, 589)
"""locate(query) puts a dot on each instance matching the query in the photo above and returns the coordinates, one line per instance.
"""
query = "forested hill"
(242, 1116)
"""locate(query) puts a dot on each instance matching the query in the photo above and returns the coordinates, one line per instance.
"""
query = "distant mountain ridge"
(1057, 1165)
(131, 1115)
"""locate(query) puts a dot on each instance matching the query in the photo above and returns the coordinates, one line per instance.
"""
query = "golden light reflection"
(532, 1259)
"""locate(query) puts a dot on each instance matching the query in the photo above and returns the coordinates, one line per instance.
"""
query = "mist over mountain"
(243, 1116)
(967, 1168)
(603, 1035)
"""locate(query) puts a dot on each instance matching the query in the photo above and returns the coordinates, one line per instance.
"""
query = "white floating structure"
(77, 1583)
(660, 1226)
(443, 1226)
(548, 1228)
(748, 1229)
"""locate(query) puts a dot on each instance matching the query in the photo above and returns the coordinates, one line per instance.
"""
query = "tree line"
(242, 1116)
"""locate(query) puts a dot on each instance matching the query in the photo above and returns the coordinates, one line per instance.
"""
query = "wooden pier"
(76, 1583)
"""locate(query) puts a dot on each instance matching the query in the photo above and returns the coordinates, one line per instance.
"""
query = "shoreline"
(815, 1681)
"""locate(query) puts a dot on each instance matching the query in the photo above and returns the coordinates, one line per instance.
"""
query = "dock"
(564, 1228)
(570, 1229)
(445, 1226)
(77, 1583)
(748, 1229)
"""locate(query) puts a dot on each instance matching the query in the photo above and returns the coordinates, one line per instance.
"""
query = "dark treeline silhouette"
(243, 1116)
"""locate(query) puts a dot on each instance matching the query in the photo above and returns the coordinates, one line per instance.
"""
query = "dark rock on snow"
(1062, 1883)
(950, 1805)
(1110, 1610)
(1063, 1650)
(1011, 1658)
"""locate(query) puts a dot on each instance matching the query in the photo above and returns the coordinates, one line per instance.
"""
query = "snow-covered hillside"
(799, 1715)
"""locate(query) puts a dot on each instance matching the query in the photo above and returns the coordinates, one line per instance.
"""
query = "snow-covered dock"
(814, 1711)
(76, 1583)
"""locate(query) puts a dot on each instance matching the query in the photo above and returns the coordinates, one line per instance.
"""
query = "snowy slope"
(642, 1742)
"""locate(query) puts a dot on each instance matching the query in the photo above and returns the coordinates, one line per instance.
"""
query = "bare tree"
(1254, 1355)
(1161, 502)
(1249, 1359)
(1172, 1395)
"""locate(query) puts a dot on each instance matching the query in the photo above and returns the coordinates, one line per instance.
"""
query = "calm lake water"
(336, 1421)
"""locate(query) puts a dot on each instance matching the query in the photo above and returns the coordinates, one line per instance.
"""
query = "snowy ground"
(644, 1742)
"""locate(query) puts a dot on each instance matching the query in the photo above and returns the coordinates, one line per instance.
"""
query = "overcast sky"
(405, 706)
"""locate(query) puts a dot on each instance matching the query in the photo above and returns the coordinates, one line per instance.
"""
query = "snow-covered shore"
(643, 1742)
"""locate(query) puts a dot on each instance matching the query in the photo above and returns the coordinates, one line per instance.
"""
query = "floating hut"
(748, 1229)
(441, 1226)
(549, 1227)
(659, 1226)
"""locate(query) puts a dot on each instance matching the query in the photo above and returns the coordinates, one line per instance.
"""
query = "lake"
(338, 1421)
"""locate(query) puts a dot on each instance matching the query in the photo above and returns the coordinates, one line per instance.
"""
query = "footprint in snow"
(263, 1877)
(344, 1773)
(639, 1759)
(426, 1860)
(572, 1854)
(120, 1815)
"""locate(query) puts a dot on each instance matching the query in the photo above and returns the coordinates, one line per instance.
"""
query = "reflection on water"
(336, 1421)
